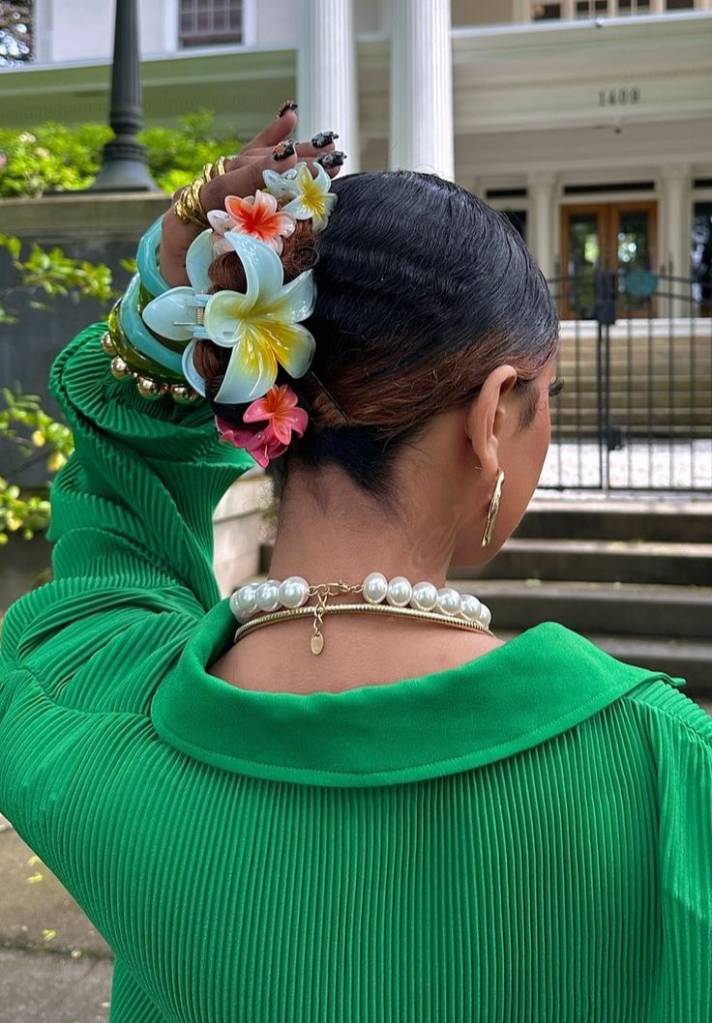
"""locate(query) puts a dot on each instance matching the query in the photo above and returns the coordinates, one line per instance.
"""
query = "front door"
(616, 237)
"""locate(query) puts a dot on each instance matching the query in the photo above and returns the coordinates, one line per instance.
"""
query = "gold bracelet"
(152, 381)
(188, 208)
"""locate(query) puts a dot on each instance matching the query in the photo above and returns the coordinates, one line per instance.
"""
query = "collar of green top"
(535, 686)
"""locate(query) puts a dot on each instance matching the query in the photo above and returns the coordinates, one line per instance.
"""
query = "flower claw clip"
(310, 197)
(283, 417)
(261, 326)
(256, 215)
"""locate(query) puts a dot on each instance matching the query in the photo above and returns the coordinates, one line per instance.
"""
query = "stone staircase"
(634, 576)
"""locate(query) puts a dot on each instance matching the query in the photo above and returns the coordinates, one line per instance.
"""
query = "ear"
(489, 414)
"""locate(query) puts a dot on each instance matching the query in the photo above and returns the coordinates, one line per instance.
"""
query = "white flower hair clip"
(262, 326)
(310, 196)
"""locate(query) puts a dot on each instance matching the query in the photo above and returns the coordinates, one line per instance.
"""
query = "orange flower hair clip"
(256, 215)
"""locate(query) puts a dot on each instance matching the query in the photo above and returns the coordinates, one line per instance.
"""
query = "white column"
(542, 240)
(676, 227)
(326, 75)
(421, 87)
(43, 31)
(522, 10)
(171, 28)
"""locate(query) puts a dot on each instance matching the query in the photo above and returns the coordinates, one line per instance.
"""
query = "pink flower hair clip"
(278, 407)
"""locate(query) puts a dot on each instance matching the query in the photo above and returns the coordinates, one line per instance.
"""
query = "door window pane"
(518, 220)
(701, 256)
(633, 253)
(584, 253)
(633, 240)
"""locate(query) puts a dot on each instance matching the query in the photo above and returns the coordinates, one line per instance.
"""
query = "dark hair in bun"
(422, 290)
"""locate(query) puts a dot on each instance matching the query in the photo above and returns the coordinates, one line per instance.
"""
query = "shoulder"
(666, 710)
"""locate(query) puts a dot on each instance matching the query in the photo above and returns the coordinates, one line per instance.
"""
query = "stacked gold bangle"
(152, 380)
(188, 207)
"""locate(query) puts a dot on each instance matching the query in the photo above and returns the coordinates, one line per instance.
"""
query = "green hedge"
(56, 157)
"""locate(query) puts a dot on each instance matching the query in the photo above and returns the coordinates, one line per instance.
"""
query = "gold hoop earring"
(493, 508)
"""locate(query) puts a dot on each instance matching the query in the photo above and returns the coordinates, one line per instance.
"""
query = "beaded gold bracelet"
(127, 363)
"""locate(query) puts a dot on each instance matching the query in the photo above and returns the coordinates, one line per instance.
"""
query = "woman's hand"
(243, 178)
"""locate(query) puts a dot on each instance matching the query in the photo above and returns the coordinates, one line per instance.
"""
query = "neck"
(339, 532)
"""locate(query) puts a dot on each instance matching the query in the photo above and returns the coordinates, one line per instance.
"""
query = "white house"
(588, 121)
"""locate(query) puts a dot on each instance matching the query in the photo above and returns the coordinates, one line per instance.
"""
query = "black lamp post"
(125, 166)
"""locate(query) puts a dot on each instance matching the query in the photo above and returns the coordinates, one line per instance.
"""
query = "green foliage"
(59, 157)
(52, 273)
(52, 156)
(26, 424)
(23, 421)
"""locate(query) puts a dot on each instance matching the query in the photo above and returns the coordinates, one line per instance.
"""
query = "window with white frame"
(207, 22)
(568, 9)
(591, 8)
(547, 12)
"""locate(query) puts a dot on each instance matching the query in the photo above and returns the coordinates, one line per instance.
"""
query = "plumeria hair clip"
(262, 326)
(278, 410)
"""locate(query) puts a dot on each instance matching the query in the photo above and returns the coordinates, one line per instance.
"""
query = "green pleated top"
(525, 838)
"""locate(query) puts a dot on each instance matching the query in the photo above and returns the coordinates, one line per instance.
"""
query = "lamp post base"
(124, 169)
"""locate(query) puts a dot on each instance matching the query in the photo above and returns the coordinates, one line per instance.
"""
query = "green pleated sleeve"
(680, 736)
(131, 522)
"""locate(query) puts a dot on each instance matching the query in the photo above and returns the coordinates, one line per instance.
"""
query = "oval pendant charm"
(317, 643)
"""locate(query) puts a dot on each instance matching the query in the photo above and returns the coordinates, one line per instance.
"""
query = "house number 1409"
(618, 97)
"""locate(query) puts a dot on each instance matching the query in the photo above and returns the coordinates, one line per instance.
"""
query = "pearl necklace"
(258, 604)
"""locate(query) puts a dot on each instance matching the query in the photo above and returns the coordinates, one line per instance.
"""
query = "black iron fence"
(636, 409)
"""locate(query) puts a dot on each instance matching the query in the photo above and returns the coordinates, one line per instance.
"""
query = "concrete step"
(688, 659)
(607, 518)
(661, 422)
(616, 609)
(630, 561)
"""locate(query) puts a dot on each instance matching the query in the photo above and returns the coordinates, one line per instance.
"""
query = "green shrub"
(59, 157)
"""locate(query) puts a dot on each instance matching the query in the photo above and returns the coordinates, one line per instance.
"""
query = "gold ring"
(214, 170)
(188, 207)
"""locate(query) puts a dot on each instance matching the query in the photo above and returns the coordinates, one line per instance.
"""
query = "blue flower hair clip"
(262, 326)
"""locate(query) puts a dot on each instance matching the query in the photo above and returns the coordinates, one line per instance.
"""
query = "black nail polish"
(334, 159)
(287, 105)
(323, 138)
(283, 150)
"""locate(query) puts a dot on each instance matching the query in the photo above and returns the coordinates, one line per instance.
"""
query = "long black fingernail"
(334, 159)
(323, 138)
(287, 105)
(283, 150)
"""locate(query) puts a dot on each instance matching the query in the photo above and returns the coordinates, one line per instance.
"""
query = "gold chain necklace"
(322, 591)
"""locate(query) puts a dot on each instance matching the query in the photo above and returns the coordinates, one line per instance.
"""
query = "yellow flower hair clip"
(311, 197)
